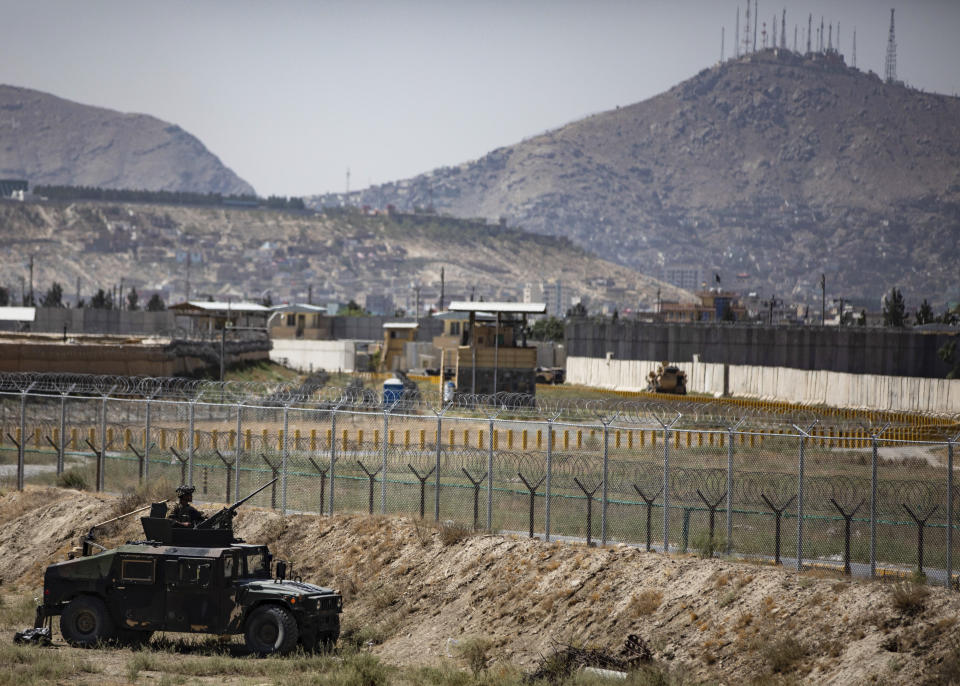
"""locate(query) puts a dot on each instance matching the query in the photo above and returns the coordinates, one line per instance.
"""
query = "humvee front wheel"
(85, 621)
(271, 629)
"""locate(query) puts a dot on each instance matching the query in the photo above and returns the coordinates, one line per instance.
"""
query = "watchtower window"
(137, 570)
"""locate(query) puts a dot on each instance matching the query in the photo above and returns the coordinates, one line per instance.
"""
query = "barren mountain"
(774, 166)
(51, 141)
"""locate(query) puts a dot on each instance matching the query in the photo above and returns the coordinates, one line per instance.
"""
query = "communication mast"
(890, 67)
(854, 48)
(722, 30)
(736, 35)
(746, 31)
(809, 30)
(783, 30)
(756, 13)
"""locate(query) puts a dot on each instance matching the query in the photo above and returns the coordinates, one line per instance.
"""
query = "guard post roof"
(498, 307)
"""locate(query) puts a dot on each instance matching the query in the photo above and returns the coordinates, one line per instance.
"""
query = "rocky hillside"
(340, 255)
(51, 141)
(774, 166)
(414, 592)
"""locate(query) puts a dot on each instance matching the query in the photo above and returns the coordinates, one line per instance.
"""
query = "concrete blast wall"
(852, 349)
(308, 356)
(836, 389)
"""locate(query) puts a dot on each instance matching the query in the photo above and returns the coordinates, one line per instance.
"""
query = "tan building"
(308, 322)
(395, 336)
(711, 307)
(202, 316)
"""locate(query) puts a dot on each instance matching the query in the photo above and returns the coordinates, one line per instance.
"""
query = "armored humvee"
(187, 579)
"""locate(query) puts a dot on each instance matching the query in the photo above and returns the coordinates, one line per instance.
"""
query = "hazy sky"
(291, 94)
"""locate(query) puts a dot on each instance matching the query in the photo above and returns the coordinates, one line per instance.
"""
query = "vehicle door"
(192, 597)
(139, 600)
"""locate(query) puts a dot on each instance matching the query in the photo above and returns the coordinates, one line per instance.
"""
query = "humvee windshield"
(255, 563)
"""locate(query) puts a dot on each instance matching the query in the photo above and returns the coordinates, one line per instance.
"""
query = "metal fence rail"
(869, 499)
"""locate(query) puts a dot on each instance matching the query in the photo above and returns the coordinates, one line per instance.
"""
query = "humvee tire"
(85, 622)
(271, 629)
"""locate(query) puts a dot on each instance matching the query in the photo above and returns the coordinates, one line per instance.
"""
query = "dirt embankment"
(414, 591)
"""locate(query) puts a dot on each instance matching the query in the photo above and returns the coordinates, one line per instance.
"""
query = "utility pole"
(310, 294)
(823, 301)
(31, 281)
(77, 304)
(442, 295)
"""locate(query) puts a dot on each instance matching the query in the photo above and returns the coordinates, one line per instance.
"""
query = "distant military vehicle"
(187, 579)
(667, 378)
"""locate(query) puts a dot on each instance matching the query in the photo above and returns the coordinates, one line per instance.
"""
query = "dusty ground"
(414, 592)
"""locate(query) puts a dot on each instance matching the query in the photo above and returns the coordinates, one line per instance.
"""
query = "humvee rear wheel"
(85, 622)
(271, 629)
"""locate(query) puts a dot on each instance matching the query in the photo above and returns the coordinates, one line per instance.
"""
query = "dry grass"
(645, 602)
(909, 598)
(452, 533)
(783, 654)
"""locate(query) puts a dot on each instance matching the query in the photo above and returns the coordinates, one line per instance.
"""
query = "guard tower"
(494, 356)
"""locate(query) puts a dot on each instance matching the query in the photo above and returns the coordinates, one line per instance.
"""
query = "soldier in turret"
(183, 513)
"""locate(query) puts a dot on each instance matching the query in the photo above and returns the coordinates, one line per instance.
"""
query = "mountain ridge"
(775, 165)
(50, 140)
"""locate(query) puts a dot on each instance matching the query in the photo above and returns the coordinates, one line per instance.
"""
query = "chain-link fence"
(869, 498)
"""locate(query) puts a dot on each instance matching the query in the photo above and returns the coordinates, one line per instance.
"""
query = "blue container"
(392, 391)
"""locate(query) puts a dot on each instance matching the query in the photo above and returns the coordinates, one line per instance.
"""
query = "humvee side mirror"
(281, 570)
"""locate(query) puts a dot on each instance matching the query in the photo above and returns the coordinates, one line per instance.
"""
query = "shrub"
(476, 653)
(784, 653)
(646, 602)
(909, 598)
(452, 533)
(73, 478)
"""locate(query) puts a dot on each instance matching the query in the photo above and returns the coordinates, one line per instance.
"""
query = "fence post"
(386, 443)
(62, 442)
(237, 452)
(192, 443)
(490, 491)
(22, 445)
(546, 510)
(666, 489)
(800, 473)
(873, 508)
(284, 458)
(101, 467)
(146, 441)
(730, 486)
(949, 581)
(333, 453)
(604, 495)
(436, 488)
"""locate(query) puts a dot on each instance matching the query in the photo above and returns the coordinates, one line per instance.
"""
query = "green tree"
(133, 300)
(548, 329)
(353, 309)
(4, 296)
(102, 300)
(894, 309)
(155, 303)
(948, 353)
(925, 314)
(53, 297)
(863, 318)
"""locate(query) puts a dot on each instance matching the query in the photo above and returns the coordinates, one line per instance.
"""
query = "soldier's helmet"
(185, 490)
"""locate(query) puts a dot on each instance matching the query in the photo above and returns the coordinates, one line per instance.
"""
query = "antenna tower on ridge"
(809, 30)
(783, 30)
(736, 35)
(854, 48)
(890, 67)
(746, 31)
